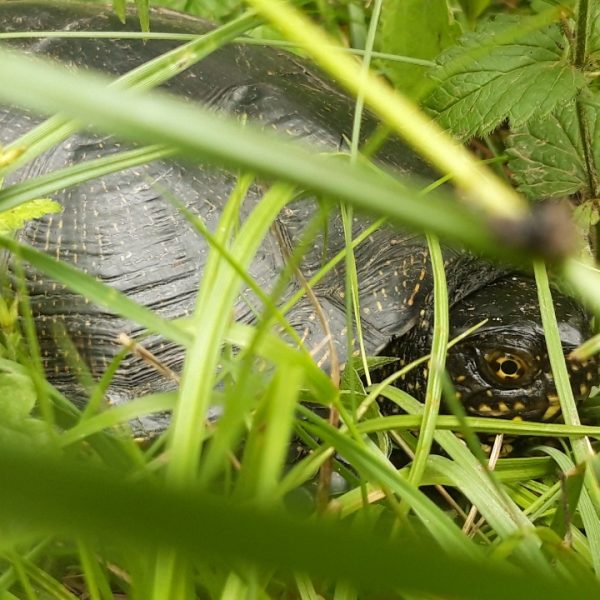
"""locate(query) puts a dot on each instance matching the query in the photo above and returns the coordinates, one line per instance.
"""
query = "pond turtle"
(121, 229)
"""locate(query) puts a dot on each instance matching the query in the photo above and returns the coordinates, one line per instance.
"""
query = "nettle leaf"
(417, 29)
(486, 79)
(546, 155)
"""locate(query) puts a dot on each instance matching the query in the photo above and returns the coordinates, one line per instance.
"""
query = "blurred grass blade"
(148, 75)
(212, 315)
(119, 415)
(197, 132)
(588, 349)
(54, 181)
(85, 500)
(586, 280)
(441, 332)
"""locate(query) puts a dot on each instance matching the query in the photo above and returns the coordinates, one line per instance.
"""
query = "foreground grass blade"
(441, 332)
(147, 75)
(220, 286)
(581, 446)
(89, 501)
(499, 510)
(76, 174)
(98, 292)
(441, 527)
(199, 132)
(481, 425)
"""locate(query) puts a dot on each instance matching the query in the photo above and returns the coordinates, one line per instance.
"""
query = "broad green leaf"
(546, 155)
(414, 28)
(487, 79)
(15, 218)
(17, 396)
(17, 399)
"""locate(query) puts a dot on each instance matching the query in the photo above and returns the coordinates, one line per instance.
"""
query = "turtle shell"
(122, 229)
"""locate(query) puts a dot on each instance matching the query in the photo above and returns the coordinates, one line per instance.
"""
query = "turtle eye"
(507, 367)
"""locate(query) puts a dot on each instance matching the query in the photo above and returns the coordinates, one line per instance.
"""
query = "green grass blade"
(585, 507)
(501, 512)
(148, 75)
(99, 293)
(581, 446)
(119, 415)
(211, 317)
(482, 425)
(63, 178)
(267, 445)
(199, 132)
(438, 523)
(441, 333)
(404, 117)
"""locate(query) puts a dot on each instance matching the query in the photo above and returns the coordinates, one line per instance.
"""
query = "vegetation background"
(85, 511)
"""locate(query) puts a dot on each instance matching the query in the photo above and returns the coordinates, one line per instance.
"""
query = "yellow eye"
(507, 367)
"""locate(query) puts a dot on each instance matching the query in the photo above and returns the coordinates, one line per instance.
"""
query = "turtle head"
(502, 369)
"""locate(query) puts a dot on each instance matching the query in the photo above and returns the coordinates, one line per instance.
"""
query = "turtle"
(121, 229)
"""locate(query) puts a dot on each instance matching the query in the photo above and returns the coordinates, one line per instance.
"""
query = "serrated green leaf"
(480, 84)
(15, 218)
(415, 28)
(546, 155)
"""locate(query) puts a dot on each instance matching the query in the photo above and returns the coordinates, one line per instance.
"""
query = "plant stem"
(581, 33)
(588, 149)
(581, 37)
